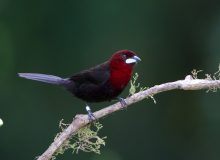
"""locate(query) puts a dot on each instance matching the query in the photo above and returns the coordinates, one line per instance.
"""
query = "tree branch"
(81, 120)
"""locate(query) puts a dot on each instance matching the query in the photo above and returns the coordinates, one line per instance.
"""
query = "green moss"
(134, 86)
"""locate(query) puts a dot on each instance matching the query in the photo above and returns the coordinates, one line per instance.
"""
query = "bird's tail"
(43, 78)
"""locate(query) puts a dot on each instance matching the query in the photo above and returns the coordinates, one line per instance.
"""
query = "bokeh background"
(63, 37)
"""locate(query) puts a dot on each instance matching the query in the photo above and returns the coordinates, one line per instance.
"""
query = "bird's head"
(121, 68)
(124, 58)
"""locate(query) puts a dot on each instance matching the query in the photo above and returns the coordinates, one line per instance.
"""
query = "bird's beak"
(133, 59)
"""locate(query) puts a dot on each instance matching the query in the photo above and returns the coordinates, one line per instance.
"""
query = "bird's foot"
(91, 116)
(122, 101)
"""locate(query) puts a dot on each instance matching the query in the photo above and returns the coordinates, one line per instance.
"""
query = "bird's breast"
(119, 80)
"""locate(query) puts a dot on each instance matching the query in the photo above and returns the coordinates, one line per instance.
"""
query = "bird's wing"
(96, 75)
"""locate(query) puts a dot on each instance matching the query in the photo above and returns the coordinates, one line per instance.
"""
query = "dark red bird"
(103, 82)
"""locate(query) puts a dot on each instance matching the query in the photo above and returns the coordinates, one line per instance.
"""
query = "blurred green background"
(63, 37)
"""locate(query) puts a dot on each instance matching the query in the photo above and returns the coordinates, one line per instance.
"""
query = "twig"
(81, 120)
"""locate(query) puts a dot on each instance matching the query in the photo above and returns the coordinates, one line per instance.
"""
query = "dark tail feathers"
(44, 78)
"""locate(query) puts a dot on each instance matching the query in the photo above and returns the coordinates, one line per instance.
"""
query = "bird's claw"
(91, 116)
(122, 101)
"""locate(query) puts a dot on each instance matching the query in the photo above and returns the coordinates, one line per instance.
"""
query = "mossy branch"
(80, 121)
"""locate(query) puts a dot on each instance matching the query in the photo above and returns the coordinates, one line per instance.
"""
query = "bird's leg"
(90, 114)
(122, 101)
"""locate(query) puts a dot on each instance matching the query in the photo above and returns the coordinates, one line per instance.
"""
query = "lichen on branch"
(86, 139)
(136, 87)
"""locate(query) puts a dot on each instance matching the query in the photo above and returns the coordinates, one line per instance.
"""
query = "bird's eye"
(124, 56)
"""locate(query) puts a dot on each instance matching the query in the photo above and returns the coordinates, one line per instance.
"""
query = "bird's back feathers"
(89, 84)
(96, 75)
